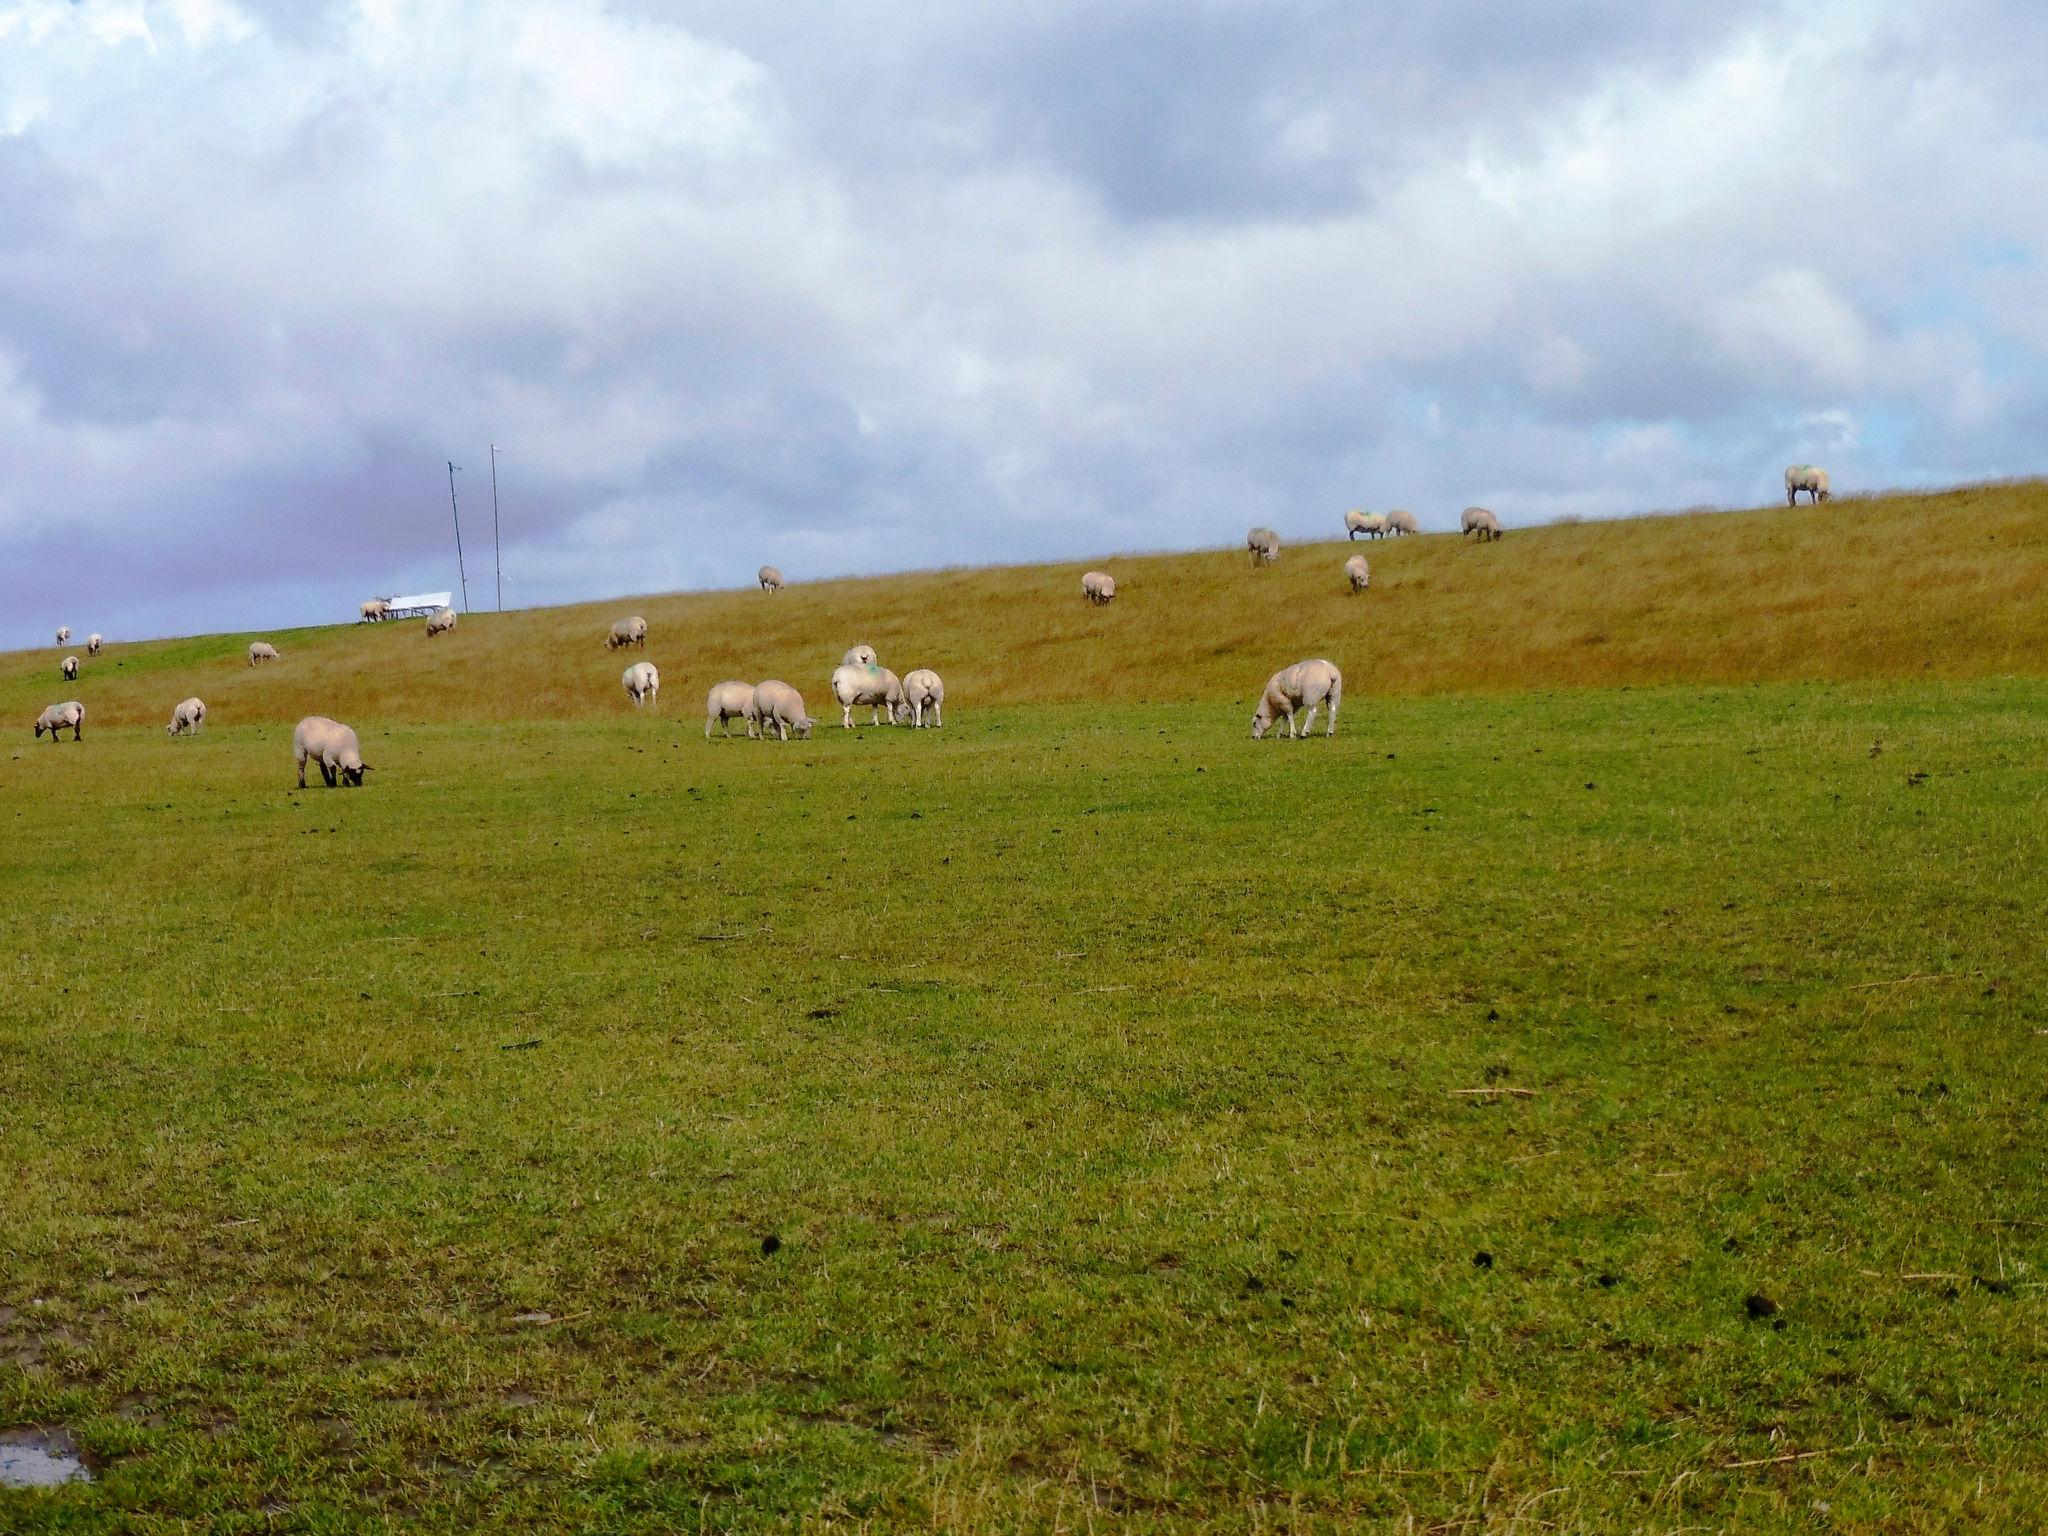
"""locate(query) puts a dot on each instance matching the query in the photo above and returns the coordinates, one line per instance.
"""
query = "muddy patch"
(40, 1458)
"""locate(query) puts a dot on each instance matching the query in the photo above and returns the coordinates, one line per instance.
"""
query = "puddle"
(40, 1458)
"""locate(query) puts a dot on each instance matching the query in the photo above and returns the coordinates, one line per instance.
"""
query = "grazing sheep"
(859, 656)
(642, 682)
(728, 702)
(93, 644)
(1480, 521)
(770, 579)
(1400, 522)
(440, 622)
(627, 632)
(1262, 544)
(875, 687)
(64, 635)
(1099, 587)
(57, 716)
(781, 706)
(1303, 686)
(261, 650)
(1357, 573)
(375, 611)
(188, 716)
(922, 688)
(333, 746)
(69, 667)
(1804, 477)
(1371, 524)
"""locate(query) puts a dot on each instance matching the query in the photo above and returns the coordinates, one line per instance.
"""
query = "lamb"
(57, 716)
(333, 746)
(440, 622)
(859, 656)
(1357, 573)
(632, 631)
(1305, 685)
(922, 688)
(1371, 524)
(1099, 587)
(781, 706)
(642, 682)
(188, 716)
(70, 669)
(875, 687)
(728, 702)
(93, 644)
(375, 611)
(770, 579)
(64, 635)
(1804, 477)
(1480, 521)
(261, 650)
(1262, 544)
(1400, 522)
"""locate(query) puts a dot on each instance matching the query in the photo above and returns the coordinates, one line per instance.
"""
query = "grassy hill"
(1946, 586)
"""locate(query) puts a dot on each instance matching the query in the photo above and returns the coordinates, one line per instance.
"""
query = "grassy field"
(1538, 1108)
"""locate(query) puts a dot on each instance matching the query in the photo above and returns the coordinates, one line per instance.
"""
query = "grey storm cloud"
(873, 285)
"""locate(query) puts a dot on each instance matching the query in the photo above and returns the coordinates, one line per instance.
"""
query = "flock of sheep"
(1292, 696)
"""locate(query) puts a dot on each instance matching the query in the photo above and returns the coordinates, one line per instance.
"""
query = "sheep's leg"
(937, 718)
(302, 773)
(846, 716)
(1308, 723)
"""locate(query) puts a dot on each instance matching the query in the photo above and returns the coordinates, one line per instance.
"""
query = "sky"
(877, 285)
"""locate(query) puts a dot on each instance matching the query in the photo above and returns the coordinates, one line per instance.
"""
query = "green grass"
(1098, 1072)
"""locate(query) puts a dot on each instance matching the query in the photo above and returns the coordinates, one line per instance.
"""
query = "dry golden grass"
(1948, 585)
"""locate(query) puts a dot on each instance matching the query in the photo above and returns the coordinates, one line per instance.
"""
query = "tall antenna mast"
(497, 554)
(457, 511)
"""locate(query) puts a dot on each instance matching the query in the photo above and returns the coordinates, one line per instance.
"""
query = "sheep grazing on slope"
(770, 579)
(728, 702)
(374, 611)
(1357, 573)
(1804, 477)
(261, 650)
(440, 622)
(1262, 544)
(859, 656)
(1371, 524)
(93, 644)
(1480, 521)
(1293, 690)
(58, 716)
(69, 667)
(922, 690)
(1400, 522)
(780, 707)
(632, 631)
(641, 682)
(64, 635)
(331, 745)
(1099, 587)
(187, 718)
(877, 688)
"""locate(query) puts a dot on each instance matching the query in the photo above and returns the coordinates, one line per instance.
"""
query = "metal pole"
(457, 511)
(497, 554)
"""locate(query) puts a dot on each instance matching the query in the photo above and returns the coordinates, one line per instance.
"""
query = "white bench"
(418, 606)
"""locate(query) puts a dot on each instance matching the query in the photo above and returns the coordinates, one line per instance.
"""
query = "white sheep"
(859, 656)
(374, 611)
(1357, 573)
(1303, 686)
(922, 690)
(1480, 521)
(261, 650)
(1099, 587)
(57, 716)
(1400, 522)
(333, 746)
(440, 622)
(1804, 477)
(632, 631)
(69, 667)
(875, 687)
(1262, 544)
(93, 644)
(770, 579)
(1371, 524)
(728, 702)
(188, 716)
(641, 682)
(778, 705)
(64, 635)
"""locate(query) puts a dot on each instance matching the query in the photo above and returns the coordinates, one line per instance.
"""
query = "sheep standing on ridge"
(627, 632)
(187, 717)
(728, 702)
(642, 682)
(877, 688)
(1262, 544)
(93, 644)
(770, 579)
(778, 705)
(374, 611)
(261, 650)
(69, 668)
(1371, 524)
(333, 746)
(57, 716)
(1357, 573)
(1400, 522)
(1099, 587)
(859, 656)
(440, 622)
(1303, 686)
(922, 690)
(1480, 521)
(1804, 477)
(64, 635)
